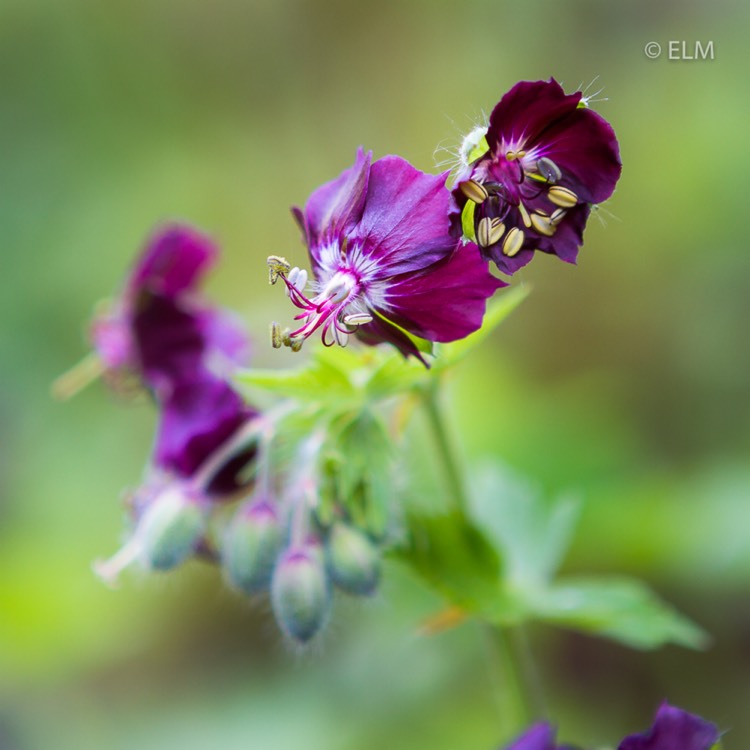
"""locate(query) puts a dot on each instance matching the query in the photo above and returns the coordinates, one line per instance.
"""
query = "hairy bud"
(300, 592)
(251, 546)
(353, 560)
(170, 529)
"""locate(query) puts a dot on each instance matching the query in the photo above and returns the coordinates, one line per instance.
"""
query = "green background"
(626, 379)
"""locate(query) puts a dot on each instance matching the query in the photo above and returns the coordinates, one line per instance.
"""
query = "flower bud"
(300, 592)
(170, 528)
(252, 545)
(353, 560)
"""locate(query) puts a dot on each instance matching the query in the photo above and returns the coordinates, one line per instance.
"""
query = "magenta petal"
(334, 208)
(405, 224)
(448, 301)
(538, 737)
(174, 260)
(527, 110)
(674, 729)
(584, 146)
(227, 345)
(197, 418)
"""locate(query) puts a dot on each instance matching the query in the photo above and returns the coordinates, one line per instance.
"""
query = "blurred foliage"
(626, 379)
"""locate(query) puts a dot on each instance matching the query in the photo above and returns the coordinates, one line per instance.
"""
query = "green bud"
(170, 529)
(300, 592)
(251, 546)
(353, 560)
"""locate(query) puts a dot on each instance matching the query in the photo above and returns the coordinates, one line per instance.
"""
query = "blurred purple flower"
(674, 729)
(384, 262)
(159, 328)
(548, 158)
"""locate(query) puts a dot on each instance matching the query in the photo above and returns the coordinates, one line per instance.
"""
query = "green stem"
(453, 473)
(508, 676)
(510, 662)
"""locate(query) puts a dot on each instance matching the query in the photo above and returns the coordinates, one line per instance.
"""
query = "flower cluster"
(673, 729)
(212, 449)
(181, 350)
(395, 256)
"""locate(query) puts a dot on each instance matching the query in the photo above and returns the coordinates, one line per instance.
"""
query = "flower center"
(337, 310)
(508, 189)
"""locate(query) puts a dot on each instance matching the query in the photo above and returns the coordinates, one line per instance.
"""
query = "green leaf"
(497, 311)
(362, 474)
(454, 558)
(532, 533)
(620, 608)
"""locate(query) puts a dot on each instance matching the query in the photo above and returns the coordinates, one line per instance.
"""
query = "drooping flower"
(204, 452)
(384, 262)
(546, 159)
(540, 736)
(159, 329)
(674, 729)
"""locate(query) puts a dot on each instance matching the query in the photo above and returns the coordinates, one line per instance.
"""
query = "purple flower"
(159, 328)
(384, 263)
(548, 158)
(674, 729)
(538, 737)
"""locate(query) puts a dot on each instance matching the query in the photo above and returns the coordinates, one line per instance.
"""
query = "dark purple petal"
(405, 225)
(527, 110)
(448, 301)
(382, 332)
(169, 343)
(538, 737)
(175, 259)
(585, 148)
(334, 208)
(197, 418)
(674, 729)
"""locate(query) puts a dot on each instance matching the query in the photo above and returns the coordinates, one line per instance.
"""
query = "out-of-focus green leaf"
(532, 532)
(455, 559)
(497, 310)
(362, 475)
(623, 609)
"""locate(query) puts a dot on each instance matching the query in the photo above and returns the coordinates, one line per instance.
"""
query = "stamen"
(474, 191)
(78, 377)
(489, 231)
(277, 266)
(524, 215)
(557, 216)
(513, 242)
(562, 197)
(549, 170)
(357, 319)
(543, 225)
(277, 336)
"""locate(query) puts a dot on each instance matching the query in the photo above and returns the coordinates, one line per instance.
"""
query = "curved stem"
(510, 658)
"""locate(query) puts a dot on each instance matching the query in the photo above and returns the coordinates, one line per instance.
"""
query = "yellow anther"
(543, 225)
(513, 242)
(474, 191)
(277, 266)
(277, 337)
(557, 216)
(562, 197)
(489, 231)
